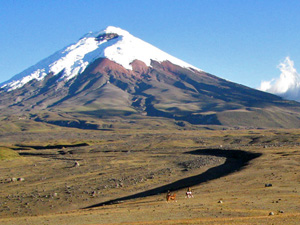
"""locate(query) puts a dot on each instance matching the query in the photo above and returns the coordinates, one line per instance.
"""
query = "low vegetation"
(118, 175)
(7, 153)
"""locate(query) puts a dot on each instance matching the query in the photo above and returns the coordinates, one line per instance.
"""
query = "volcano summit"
(112, 43)
(112, 73)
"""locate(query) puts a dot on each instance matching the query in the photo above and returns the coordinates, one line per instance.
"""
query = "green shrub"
(7, 153)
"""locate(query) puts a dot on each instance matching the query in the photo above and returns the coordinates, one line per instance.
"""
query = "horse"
(171, 196)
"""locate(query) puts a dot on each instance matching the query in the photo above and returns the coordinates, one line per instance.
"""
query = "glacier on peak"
(113, 43)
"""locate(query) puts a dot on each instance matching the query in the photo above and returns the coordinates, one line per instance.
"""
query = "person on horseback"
(189, 193)
(171, 196)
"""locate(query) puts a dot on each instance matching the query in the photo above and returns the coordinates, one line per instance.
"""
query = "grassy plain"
(131, 158)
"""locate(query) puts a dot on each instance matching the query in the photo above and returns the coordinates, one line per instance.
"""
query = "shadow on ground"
(235, 160)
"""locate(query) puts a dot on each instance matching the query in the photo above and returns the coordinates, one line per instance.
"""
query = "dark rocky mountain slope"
(106, 89)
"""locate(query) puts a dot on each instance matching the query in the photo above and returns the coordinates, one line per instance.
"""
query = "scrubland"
(55, 175)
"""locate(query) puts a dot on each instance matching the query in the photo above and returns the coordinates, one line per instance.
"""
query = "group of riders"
(188, 194)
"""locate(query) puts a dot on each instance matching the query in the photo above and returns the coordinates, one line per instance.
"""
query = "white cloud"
(287, 85)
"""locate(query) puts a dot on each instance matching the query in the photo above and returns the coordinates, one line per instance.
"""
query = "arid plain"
(121, 174)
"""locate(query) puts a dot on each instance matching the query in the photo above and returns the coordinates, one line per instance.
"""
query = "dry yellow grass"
(245, 199)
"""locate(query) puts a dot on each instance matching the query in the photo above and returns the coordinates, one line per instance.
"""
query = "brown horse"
(171, 196)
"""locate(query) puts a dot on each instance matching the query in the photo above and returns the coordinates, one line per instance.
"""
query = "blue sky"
(240, 40)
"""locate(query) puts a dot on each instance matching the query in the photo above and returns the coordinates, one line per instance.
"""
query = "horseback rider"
(189, 193)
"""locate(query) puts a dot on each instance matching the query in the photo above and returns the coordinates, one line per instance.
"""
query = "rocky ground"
(60, 174)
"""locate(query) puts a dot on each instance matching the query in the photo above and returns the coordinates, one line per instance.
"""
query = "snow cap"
(112, 42)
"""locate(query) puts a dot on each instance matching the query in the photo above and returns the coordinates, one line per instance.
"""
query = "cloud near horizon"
(287, 85)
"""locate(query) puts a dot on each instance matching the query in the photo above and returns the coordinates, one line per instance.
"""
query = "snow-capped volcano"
(112, 74)
(112, 43)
